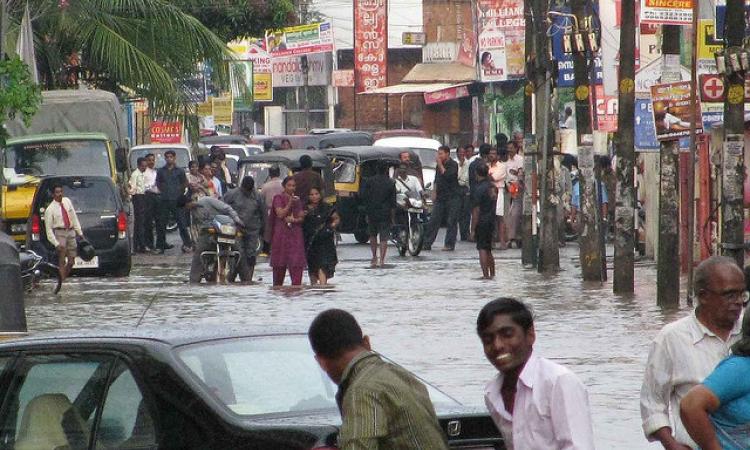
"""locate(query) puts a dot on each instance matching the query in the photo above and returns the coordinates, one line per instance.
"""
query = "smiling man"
(536, 404)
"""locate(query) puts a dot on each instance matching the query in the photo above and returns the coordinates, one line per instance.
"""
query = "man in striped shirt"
(382, 406)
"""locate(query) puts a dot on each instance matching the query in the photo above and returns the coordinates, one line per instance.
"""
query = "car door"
(75, 401)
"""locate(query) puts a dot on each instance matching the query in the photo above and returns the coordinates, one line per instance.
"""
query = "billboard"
(370, 45)
(500, 25)
(287, 72)
(672, 115)
(300, 40)
(667, 12)
(163, 132)
(254, 50)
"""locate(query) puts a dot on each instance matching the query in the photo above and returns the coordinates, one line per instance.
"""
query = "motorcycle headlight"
(228, 229)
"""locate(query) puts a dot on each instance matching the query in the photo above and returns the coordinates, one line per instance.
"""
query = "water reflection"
(421, 313)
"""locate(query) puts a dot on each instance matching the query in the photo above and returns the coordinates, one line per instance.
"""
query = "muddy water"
(420, 311)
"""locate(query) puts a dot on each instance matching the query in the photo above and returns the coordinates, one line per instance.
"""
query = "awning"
(451, 72)
(432, 92)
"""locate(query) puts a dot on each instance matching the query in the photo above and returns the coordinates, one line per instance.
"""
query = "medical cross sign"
(712, 88)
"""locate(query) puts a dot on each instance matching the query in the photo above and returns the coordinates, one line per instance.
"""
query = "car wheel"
(124, 269)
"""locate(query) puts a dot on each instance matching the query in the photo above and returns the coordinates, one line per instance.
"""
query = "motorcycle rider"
(251, 208)
(202, 211)
(407, 187)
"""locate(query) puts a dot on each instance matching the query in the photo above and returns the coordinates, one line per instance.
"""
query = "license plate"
(81, 264)
(224, 240)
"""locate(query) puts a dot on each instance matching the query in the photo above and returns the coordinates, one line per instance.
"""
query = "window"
(53, 401)
(344, 170)
(59, 158)
(87, 196)
(126, 422)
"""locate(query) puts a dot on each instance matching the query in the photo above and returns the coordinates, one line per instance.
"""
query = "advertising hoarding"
(300, 40)
(501, 26)
(370, 45)
(671, 107)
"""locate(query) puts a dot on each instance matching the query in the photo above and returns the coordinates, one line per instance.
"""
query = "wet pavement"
(420, 311)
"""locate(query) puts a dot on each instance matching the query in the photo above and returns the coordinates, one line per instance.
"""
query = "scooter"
(221, 263)
(408, 234)
(35, 267)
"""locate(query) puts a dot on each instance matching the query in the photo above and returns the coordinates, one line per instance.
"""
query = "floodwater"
(421, 312)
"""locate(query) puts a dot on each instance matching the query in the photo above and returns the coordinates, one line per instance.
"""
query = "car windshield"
(266, 375)
(344, 170)
(74, 157)
(183, 157)
(259, 171)
(236, 151)
(87, 196)
(428, 156)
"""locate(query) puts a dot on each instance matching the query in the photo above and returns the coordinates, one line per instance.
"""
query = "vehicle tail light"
(122, 225)
(35, 227)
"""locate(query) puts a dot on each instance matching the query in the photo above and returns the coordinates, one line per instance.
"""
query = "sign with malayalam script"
(370, 45)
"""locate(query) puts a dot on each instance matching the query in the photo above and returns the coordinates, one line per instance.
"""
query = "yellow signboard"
(263, 87)
(204, 109)
(707, 43)
(223, 107)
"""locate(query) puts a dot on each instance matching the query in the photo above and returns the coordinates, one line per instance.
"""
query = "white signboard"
(287, 71)
(438, 52)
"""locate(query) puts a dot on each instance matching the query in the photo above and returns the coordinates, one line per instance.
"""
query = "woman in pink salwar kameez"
(287, 241)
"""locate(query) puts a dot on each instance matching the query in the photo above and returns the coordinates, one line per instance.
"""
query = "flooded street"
(420, 312)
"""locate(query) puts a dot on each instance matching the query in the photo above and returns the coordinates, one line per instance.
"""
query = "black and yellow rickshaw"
(287, 161)
(350, 166)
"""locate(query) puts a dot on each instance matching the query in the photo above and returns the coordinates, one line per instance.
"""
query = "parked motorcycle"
(408, 234)
(221, 263)
(34, 267)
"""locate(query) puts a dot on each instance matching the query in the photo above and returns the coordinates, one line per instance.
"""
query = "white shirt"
(150, 180)
(53, 219)
(137, 183)
(463, 172)
(515, 163)
(550, 411)
(411, 188)
(682, 355)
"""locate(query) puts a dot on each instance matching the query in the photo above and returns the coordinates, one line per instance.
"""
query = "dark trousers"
(464, 213)
(150, 213)
(139, 222)
(248, 250)
(202, 244)
(167, 209)
(444, 209)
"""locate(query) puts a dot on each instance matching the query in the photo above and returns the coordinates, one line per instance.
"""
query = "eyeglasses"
(733, 296)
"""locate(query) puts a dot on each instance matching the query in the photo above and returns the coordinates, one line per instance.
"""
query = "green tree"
(18, 93)
(231, 19)
(135, 48)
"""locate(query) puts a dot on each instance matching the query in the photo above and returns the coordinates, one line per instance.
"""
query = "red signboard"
(712, 88)
(606, 110)
(166, 132)
(343, 78)
(370, 44)
(443, 95)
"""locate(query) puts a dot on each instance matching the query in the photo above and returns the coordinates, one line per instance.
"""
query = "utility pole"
(549, 250)
(668, 261)
(625, 199)
(732, 237)
(590, 250)
(529, 245)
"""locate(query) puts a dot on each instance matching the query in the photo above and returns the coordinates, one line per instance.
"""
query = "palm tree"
(135, 48)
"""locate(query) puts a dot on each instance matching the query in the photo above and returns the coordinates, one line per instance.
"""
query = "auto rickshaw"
(350, 166)
(288, 162)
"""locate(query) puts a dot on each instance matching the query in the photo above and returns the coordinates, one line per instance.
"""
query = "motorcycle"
(408, 234)
(35, 267)
(221, 263)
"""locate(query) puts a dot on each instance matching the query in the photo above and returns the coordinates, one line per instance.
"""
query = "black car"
(183, 389)
(103, 220)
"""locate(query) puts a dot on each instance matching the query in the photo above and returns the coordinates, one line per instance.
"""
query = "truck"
(75, 132)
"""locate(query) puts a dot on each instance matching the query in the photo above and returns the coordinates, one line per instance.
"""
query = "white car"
(182, 152)
(425, 148)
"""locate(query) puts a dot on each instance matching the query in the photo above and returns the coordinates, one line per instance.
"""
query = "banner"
(500, 26)
(370, 45)
(343, 78)
(287, 72)
(606, 110)
(672, 115)
(667, 12)
(707, 43)
(254, 50)
(163, 132)
(223, 109)
(300, 40)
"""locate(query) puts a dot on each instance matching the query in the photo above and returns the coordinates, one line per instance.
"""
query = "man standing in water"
(378, 194)
(483, 220)
(686, 351)
(536, 403)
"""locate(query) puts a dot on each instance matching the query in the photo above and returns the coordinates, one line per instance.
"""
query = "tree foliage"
(18, 93)
(135, 48)
(231, 19)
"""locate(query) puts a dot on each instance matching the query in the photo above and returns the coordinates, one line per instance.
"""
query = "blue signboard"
(645, 132)
(565, 72)
(720, 22)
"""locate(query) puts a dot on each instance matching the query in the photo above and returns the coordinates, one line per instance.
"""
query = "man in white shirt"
(62, 227)
(152, 202)
(686, 351)
(464, 212)
(536, 403)
(137, 191)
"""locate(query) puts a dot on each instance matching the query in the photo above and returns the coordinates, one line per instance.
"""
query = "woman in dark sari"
(320, 221)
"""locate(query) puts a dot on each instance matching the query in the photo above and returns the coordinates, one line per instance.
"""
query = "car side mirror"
(121, 159)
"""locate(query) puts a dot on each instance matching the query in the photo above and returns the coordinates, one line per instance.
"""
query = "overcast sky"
(403, 15)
